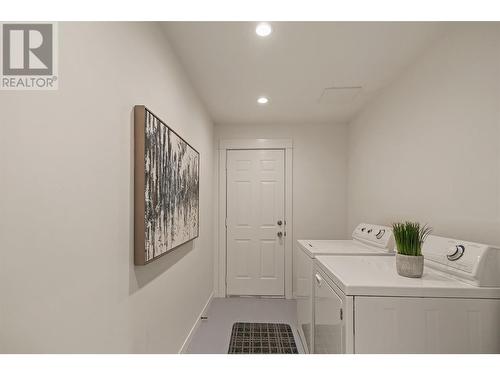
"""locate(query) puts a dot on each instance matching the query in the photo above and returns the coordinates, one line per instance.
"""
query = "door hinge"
(226, 222)
(341, 314)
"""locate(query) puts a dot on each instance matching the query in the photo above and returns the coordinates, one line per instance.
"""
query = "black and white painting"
(171, 189)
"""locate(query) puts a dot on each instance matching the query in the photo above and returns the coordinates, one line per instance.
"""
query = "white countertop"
(314, 248)
(377, 276)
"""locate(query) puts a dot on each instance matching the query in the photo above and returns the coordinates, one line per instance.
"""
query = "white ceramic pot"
(410, 266)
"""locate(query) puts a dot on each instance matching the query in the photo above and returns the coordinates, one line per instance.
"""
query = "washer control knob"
(380, 234)
(456, 253)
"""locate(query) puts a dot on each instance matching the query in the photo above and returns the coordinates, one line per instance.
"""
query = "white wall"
(67, 279)
(428, 148)
(319, 174)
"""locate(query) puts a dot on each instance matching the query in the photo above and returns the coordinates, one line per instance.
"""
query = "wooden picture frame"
(166, 188)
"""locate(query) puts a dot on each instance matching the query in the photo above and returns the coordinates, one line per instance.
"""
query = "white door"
(255, 222)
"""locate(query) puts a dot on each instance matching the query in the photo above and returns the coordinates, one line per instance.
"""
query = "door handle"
(279, 222)
(280, 234)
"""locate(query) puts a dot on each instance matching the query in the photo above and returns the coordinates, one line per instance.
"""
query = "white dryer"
(367, 239)
(363, 306)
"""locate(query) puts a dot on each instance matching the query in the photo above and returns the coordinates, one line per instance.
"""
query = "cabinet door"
(329, 327)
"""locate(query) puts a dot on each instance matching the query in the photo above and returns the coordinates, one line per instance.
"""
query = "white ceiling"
(230, 66)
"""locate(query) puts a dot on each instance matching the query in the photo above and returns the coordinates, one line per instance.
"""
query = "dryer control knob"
(380, 234)
(456, 253)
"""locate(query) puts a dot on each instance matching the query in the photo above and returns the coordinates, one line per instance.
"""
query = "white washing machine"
(363, 306)
(367, 239)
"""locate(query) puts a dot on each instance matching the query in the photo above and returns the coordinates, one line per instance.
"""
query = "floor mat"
(262, 338)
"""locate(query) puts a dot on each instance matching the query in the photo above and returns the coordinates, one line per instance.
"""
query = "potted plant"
(409, 239)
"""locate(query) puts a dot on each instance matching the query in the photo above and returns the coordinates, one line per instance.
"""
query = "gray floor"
(212, 336)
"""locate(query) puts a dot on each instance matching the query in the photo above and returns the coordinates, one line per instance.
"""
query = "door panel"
(255, 204)
(244, 196)
(267, 198)
(243, 251)
(267, 259)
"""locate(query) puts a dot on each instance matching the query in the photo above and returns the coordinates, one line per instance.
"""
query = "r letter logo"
(29, 56)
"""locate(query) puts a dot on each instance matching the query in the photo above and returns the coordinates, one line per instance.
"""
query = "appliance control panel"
(474, 263)
(375, 235)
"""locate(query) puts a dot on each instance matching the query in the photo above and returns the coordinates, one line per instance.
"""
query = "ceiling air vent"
(339, 95)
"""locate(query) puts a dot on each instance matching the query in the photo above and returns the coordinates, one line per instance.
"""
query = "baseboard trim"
(185, 345)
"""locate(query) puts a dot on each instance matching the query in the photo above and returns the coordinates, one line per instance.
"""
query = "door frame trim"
(220, 246)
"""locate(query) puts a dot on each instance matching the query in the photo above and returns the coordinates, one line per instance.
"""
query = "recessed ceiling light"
(262, 100)
(263, 29)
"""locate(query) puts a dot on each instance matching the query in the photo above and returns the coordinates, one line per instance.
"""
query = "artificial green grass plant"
(410, 237)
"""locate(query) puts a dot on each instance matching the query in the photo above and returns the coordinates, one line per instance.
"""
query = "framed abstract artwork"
(166, 188)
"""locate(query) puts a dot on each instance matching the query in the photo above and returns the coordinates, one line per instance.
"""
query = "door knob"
(280, 234)
(280, 222)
